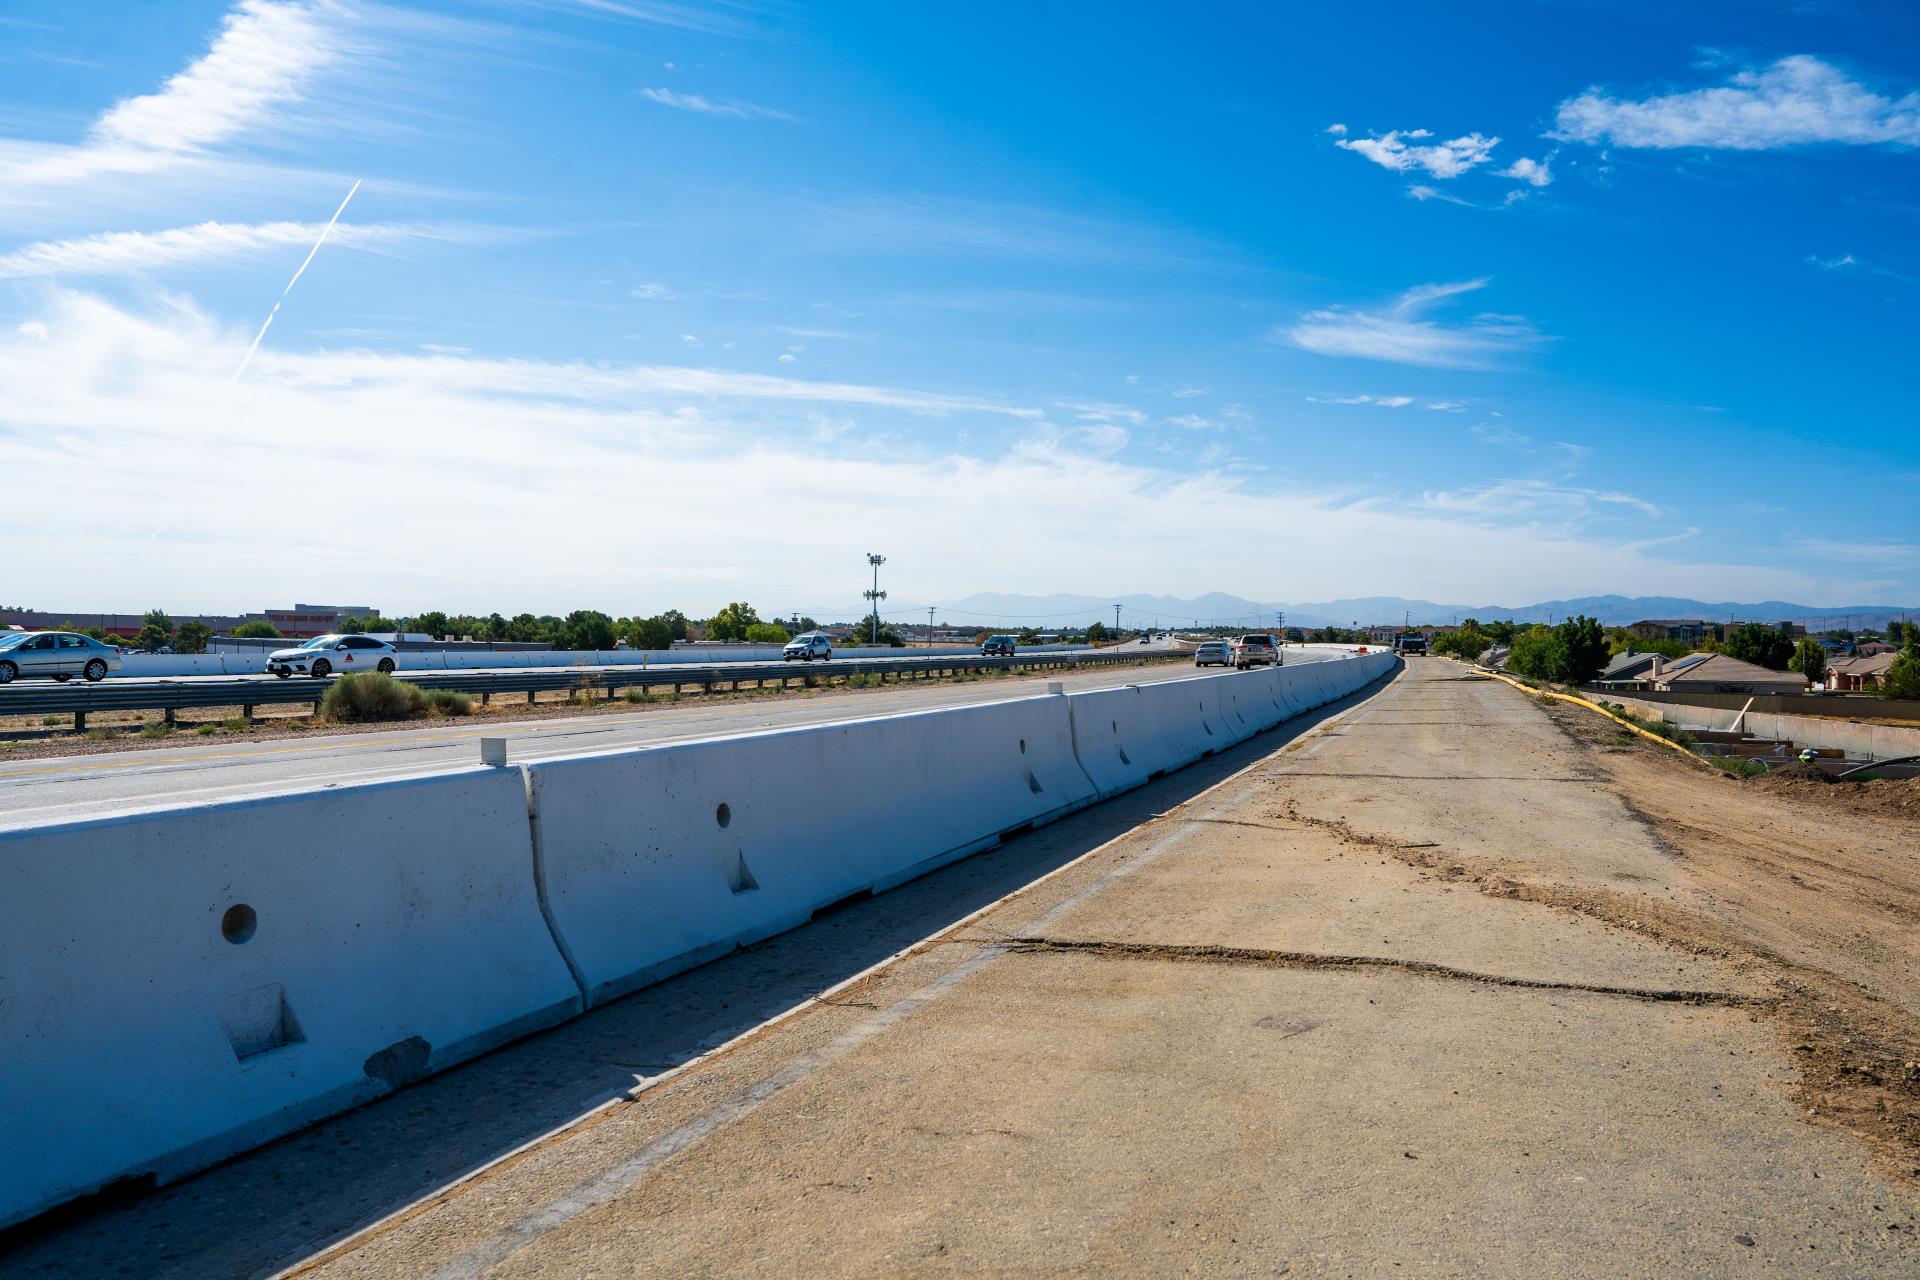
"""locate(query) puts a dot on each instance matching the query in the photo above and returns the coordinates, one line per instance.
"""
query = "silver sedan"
(55, 655)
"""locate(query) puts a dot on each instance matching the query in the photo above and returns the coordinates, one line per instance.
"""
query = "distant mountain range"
(993, 609)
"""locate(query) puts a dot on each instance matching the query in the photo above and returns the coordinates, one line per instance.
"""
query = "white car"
(805, 648)
(1213, 653)
(322, 656)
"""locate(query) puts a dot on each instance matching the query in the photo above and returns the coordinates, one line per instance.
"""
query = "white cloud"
(1796, 101)
(1499, 434)
(654, 291)
(1538, 173)
(134, 418)
(265, 55)
(1404, 150)
(1404, 335)
(708, 107)
(787, 357)
(1832, 264)
(1384, 402)
(1446, 406)
(1190, 393)
(1193, 422)
(1424, 193)
(126, 252)
(1538, 500)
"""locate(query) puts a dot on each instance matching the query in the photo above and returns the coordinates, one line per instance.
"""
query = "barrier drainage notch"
(741, 880)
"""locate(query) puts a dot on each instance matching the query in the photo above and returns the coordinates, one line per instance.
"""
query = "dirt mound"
(1804, 770)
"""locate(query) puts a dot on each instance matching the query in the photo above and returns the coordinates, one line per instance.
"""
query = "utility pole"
(1116, 622)
(930, 609)
(876, 595)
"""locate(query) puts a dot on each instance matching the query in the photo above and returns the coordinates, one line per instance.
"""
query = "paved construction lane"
(35, 791)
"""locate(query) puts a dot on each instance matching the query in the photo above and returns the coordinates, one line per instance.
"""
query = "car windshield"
(321, 642)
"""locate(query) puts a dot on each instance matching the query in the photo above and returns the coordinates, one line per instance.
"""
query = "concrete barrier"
(181, 985)
(659, 859)
(1128, 736)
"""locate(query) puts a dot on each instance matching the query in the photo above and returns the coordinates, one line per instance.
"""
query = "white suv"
(1258, 650)
(806, 648)
(324, 655)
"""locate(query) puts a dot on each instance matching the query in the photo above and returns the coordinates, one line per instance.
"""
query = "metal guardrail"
(80, 700)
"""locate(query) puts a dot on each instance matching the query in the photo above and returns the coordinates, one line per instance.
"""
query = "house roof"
(1628, 666)
(1718, 668)
(1872, 664)
(1671, 622)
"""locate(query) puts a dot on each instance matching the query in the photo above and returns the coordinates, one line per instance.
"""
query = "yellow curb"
(1594, 706)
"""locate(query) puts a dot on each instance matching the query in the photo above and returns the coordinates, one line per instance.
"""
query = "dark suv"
(1002, 645)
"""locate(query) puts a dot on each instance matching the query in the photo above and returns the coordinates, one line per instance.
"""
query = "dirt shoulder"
(1817, 883)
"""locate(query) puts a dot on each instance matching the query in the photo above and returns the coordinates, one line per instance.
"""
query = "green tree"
(676, 621)
(1584, 650)
(156, 630)
(584, 629)
(526, 629)
(767, 633)
(1809, 659)
(256, 631)
(369, 626)
(731, 623)
(1500, 632)
(433, 622)
(192, 637)
(1028, 635)
(1096, 632)
(1903, 677)
(1758, 643)
(1538, 652)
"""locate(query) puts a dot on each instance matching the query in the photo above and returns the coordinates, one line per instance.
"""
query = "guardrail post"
(79, 722)
(247, 711)
(167, 717)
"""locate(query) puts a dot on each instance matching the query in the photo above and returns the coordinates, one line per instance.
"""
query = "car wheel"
(320, 669)
(62, 679)
(283, 674)
(7, 672)
(96, 671)
(386, 666)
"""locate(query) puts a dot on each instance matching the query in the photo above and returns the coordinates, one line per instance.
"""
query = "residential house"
(1859, 675)
(1627, 670)
(1718, 673)
(1873, 649)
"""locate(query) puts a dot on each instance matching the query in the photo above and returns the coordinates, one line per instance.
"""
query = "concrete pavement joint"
(1270, 959)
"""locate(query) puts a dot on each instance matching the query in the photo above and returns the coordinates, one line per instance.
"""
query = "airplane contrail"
(265, 324)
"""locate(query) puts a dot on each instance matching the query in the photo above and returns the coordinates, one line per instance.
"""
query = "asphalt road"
(34, 792)
(690, 659)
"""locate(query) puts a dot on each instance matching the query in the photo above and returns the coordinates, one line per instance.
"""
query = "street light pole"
(876, 595)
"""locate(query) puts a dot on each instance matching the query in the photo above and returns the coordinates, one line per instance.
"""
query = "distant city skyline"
(684, 303)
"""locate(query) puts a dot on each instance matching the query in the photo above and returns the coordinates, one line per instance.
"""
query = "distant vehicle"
(1411, 642)
(1257, 650)
(805, 648)
(1146, 639)
(1213, 653)
(1001, 645)
(323, 655)
(54, 655)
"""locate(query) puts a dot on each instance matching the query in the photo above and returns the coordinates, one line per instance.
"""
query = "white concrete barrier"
(662, 858)
(181, 985)
(1130, 735)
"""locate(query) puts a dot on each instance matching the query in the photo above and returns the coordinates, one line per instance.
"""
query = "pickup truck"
(1256, 651)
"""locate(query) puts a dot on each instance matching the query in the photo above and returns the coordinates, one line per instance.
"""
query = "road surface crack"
(1260, 957)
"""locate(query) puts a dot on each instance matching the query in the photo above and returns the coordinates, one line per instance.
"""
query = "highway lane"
(35, 792)
(692, 660)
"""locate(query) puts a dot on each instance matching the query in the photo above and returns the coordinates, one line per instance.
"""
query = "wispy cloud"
(127, 252)
(708, 107)
(1403, 150)
(145, 403)
(1497, 433)
(1848, 262)
(264, 56)
(1797, 101)
(1384, 402)
(1189, 392)
(1538, 499)
(1404, 334)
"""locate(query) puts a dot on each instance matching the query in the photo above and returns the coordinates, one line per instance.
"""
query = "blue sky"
(643, 305)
